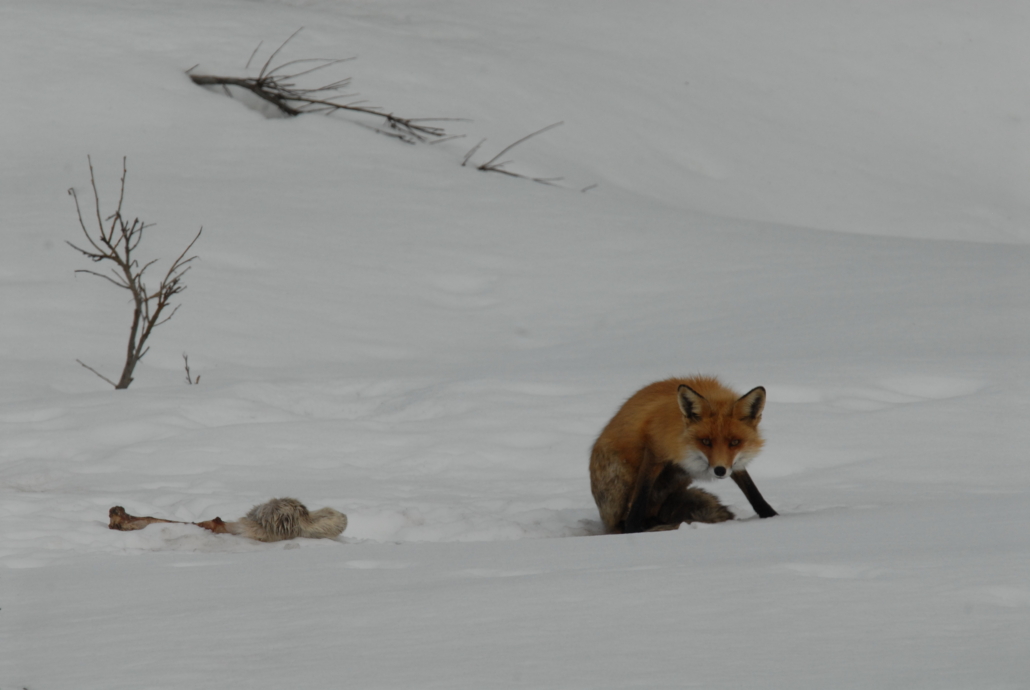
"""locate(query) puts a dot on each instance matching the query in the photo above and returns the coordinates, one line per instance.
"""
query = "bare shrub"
(277, 84)
(116, 244)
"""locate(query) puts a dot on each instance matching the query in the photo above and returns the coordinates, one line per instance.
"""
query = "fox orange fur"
(664, 437)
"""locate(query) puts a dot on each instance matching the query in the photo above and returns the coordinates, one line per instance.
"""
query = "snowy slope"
(830, 201)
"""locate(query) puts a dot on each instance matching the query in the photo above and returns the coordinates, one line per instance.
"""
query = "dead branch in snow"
(189, 378)
(117, 244)
(493, 166)
(277, 85)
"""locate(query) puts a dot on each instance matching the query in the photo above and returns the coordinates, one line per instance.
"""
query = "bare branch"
(97, 372)
(82, 224)
(326, 62)
(277, 85)
(453, 136)
(472, 152)
(276, 52)
(116, 245)
(121, 193)
(493, 166)
(95, 256)
(252, 85)
(489, 164)
(96, 196)
(186, 360)
(141, 271)
(167, 318)
(189, 246)
(339, 83)
(107, 278)
(246, 66)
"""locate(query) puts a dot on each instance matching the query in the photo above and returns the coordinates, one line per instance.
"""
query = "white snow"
(827, 199)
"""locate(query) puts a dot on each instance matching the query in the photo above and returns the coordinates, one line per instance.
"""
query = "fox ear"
(749, 407)
(690, 402)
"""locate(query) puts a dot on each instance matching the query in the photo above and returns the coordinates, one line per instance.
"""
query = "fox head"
(721, 434)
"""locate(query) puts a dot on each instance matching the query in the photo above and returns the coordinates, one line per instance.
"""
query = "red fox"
(663, 438)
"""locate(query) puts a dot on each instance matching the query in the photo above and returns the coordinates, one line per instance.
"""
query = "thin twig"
(326, 62)
(276, 52)
(189, 378)
(489, 165)
(97, 372)
(493, 166)
(453, 136)
(247, 66)
(472, 152)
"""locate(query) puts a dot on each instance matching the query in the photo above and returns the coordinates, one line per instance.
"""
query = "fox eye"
(734, 442)
(706, 442)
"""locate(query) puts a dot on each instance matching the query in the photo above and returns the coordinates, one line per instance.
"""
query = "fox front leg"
(747, 485)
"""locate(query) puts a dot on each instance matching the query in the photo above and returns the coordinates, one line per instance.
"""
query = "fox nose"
(720, 471)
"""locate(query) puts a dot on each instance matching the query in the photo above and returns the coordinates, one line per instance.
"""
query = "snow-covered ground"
(827, 199)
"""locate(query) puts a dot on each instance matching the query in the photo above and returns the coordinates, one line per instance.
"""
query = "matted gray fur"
(288, 518)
